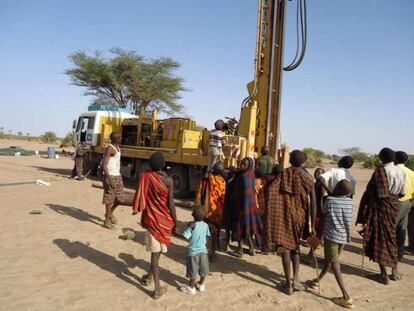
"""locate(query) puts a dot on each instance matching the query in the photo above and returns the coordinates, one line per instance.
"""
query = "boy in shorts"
(337, 232)
(197, 259)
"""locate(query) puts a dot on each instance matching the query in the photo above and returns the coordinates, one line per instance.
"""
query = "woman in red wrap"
(154, 199)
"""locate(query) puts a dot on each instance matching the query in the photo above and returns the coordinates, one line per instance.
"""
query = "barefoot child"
(197, 259)
(338, 210)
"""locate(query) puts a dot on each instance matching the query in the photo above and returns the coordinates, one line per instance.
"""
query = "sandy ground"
(64, 260)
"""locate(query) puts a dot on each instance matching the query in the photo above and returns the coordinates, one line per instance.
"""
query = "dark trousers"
(411, 227)
(402, 226)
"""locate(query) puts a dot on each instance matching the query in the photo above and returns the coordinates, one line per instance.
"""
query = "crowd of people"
(274, 210)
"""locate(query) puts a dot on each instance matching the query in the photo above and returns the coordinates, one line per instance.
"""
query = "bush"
(68, 140)
(49, 137)
(314, 157)
(356, 153)
(410, 163)
(371, 161)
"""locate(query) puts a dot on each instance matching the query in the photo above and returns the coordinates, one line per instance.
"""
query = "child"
(197, 259)
(215, 143)
(330, 178)
(337, 232)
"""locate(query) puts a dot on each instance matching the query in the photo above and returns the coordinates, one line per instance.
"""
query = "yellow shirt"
(409, 190)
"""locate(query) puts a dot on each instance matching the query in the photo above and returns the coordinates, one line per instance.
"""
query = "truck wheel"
(179, 176)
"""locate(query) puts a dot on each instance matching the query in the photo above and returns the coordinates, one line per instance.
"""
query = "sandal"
(113, 220)
(314, 284)
(396, 276)
(252, 252)
(158, 295)
(341, 301)
(299, 287)
(146, 280)
(108, 224)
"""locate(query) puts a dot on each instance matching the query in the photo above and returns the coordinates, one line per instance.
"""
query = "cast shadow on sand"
(57, 171)
(225, 264)
(104, 261)
(76, 213)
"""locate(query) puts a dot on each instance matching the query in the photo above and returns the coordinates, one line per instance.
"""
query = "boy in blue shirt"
(197, 259)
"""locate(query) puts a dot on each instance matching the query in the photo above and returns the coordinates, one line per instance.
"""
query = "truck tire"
(179, 176)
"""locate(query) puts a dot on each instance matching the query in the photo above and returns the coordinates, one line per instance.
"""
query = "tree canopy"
(128, 80)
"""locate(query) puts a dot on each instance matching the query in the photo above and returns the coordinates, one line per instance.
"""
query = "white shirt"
(396, 179)
(335, 175)
(114, 163)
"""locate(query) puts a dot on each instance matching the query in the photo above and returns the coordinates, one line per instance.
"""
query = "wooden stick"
(317, 269)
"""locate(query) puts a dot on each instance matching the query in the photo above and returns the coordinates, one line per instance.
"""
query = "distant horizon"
(352, 89)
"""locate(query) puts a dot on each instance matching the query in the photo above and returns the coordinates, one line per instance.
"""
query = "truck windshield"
(85, 123)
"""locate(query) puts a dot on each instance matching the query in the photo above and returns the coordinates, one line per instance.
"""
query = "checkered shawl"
(379, 212)
(288, 198)
(240, 209)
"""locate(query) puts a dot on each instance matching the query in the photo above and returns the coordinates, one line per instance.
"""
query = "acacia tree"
(128, 80)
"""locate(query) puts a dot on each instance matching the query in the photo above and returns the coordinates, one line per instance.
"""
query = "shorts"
(113, 194)
(332, 251)
(152, 245)
(197, 265)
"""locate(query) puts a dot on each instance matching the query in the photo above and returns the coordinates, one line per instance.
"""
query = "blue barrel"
(51, 153)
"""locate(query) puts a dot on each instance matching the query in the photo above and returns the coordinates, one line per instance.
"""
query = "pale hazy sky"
(354, 88)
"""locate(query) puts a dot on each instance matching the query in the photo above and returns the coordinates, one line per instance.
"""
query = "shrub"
(68, 140)
(410, 163)
(356, 153)
(314, 157)
(49, 137)
(371, 161)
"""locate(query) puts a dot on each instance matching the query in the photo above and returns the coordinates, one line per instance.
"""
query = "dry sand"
(63, 259)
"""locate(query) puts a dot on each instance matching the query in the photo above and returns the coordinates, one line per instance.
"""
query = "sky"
(355, 86)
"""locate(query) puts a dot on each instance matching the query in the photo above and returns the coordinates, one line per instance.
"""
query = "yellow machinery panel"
(173, 126)
(169, 144)
(192, 139)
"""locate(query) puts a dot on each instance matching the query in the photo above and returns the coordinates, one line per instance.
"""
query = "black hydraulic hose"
(301, 27)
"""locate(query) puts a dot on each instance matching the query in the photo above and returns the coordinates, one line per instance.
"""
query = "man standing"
(378, 211)
(265, 161)
(79, 155)
(154, 199)
(330, 178)
(405, 202)
(289, 196)
(112, 182)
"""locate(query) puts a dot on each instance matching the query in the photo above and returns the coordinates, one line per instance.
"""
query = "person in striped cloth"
(154, 199)
(338, 212)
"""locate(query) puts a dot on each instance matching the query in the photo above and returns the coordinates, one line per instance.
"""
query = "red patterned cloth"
(379, 210)
(211, 195)
(288, 199)
(151, 199)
